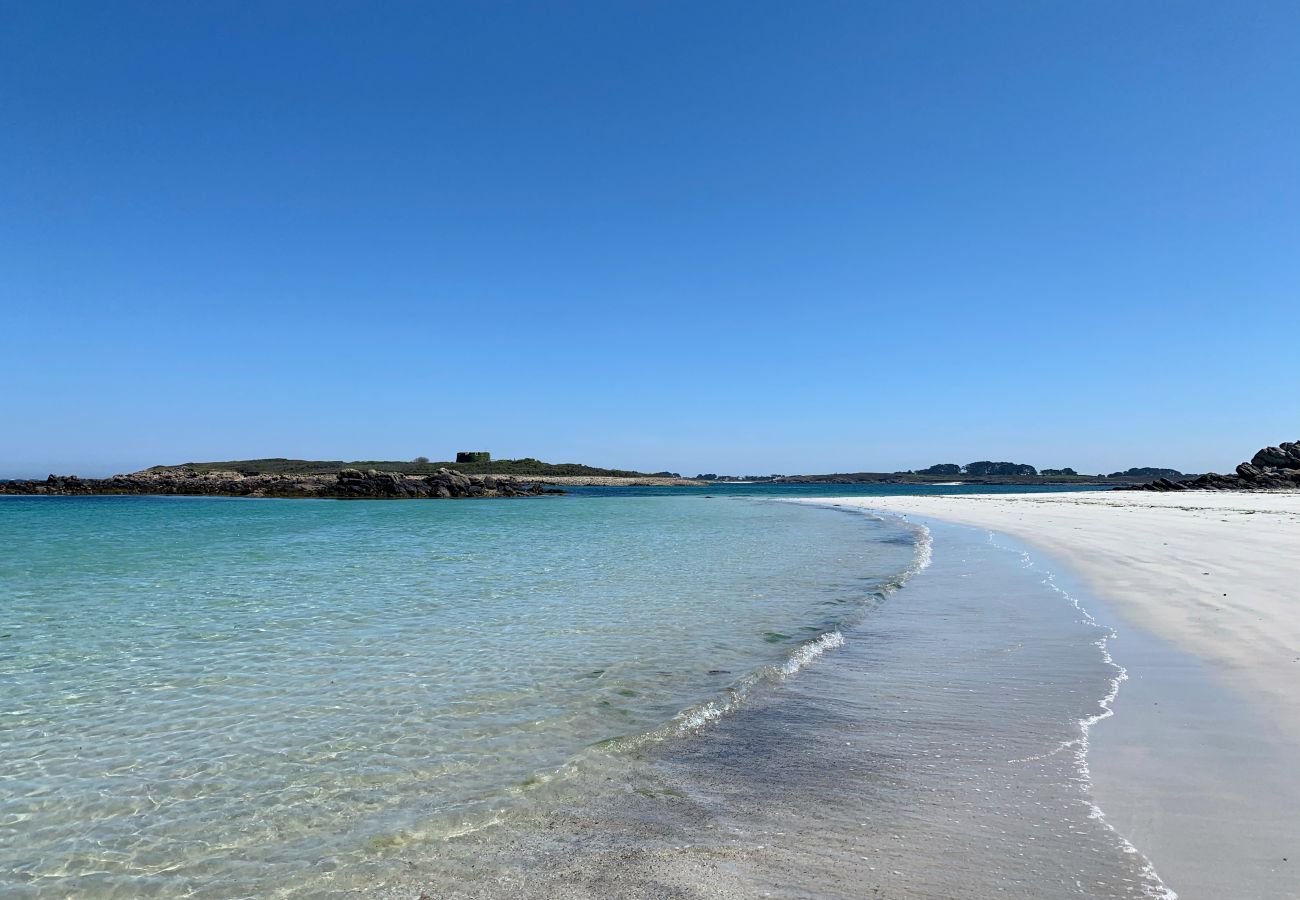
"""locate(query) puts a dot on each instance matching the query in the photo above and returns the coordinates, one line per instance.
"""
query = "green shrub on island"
(942, 469)
(985, 467)
(1147, 472)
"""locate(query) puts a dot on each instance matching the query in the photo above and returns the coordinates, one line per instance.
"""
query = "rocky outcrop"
(347, 484)
(1284, 456)
(1271, 469)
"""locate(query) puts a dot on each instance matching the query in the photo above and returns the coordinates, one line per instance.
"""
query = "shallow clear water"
(241, 697)
(938, 753)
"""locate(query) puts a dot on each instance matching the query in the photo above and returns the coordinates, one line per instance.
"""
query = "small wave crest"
(924, 550)
(696, 717)
(809, 651)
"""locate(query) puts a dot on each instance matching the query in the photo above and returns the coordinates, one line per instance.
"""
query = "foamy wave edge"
(1154, 887)
(699, 716)
(694, 718)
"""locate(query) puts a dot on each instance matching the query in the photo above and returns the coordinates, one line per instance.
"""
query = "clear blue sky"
(727, 237)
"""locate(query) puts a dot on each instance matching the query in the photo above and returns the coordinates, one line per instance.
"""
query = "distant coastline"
(385, 483)
(1100, 481)
(285, 477)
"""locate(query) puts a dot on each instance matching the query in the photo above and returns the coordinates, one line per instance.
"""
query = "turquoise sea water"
(221, 697)
(940, 752)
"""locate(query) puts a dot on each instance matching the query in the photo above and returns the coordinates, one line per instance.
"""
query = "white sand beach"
(1197, 765)
(1217, 573)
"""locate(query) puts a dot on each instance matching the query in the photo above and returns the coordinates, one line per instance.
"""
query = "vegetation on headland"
(1147, 472)
(981, 468)
(419, 466)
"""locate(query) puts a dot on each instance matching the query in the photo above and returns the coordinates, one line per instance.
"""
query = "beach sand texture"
(1197, 767)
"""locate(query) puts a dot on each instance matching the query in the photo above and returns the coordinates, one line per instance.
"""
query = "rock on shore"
(1271, 469)
(347, 484)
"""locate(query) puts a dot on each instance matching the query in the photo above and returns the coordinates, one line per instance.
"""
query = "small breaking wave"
(811, 650)
(696, 717)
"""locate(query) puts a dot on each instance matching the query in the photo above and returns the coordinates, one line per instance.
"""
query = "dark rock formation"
(1271, 469)
(1284, 456)
(347, 484)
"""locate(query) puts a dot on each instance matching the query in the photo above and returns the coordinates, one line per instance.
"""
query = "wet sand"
(1198, 765)
(1218, 574)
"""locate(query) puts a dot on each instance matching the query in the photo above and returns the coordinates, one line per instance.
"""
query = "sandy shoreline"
(1216, 573)
(918, 759)
(1197, 765)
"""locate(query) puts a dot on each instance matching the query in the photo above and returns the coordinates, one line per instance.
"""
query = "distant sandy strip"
(603, 480)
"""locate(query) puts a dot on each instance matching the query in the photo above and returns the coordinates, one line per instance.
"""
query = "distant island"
(472, 462)
(345, 484)
(480, 462)
(979, 472)
(475, 473)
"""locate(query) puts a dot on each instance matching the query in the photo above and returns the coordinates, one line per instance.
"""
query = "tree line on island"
(983, 472)
(986, 467)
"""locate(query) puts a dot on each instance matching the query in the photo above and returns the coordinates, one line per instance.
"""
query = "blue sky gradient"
(735, 237)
